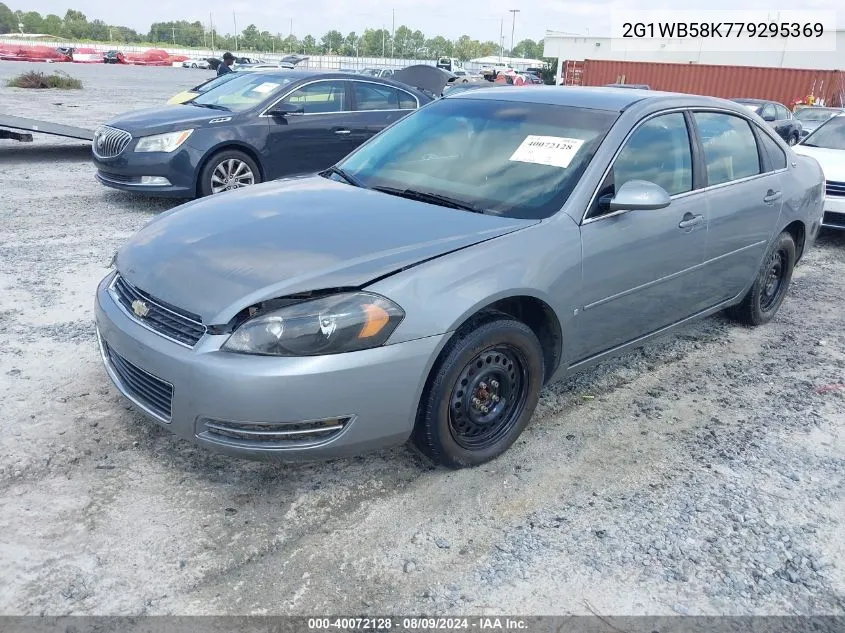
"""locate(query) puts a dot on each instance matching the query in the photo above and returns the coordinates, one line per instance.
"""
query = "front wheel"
(481, 395)
(227, 170)
(793, 139)
(763, 300)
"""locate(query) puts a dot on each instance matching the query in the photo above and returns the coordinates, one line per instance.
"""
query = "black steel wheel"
(772, 287)
(488, 397)
(769, 289)
(481, 394)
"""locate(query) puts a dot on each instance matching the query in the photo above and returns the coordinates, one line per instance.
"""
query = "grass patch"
(40, 81)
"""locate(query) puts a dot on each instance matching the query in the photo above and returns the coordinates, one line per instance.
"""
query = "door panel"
(315, 139)
(745, 203)
(641, 268)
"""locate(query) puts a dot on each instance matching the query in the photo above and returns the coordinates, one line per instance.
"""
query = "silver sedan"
(430, 284)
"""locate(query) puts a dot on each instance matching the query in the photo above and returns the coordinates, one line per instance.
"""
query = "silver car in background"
(430, 284)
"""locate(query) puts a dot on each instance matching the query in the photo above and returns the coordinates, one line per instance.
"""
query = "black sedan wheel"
(762, 301)
(481, 395)
(793, 139)
(228, 170)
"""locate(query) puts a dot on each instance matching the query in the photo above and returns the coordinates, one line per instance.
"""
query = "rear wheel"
(793, 139)
(766, 295)
(227, 170)
(193, 65)
(481, 395)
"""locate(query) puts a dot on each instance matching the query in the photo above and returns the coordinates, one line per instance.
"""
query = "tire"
(763, 300)
(193, 65)
(219, 164)
(793, 139)
(503, 360)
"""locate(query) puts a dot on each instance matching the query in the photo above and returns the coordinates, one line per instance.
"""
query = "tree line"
(405, 43)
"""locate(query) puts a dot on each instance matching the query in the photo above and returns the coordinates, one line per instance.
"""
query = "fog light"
(154, 180)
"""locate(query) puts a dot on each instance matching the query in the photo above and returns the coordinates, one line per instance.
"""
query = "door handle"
(341, 131)
(771, 196)
(690, 221)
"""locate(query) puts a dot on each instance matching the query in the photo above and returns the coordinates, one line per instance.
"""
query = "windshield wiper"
(352, 180)
(433, 198)
(210, 106)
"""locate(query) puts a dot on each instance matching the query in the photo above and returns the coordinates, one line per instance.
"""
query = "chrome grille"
(265, 435)
(834, 188)
(109, 141)
(168, 321)
(146, 390)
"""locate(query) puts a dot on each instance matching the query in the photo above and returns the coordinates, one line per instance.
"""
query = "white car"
(827, 145)
(195, 63)
(377, 72)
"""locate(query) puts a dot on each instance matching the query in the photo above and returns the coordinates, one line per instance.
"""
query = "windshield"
(815, 114)
(829, 135)
(213, 83)
(242, 92)
(372, 72)
(520, 160)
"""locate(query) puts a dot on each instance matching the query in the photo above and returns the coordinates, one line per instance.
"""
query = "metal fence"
(327, 62)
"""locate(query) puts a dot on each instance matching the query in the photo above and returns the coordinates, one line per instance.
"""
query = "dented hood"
(218, 255)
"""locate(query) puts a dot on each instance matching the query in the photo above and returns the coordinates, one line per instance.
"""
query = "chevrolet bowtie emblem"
(140, 308)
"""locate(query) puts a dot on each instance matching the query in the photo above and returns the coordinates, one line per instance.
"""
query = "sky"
(481, 19)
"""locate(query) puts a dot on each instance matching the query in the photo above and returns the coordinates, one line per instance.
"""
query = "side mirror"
(639, 195)
(285, 109)
(769, 117)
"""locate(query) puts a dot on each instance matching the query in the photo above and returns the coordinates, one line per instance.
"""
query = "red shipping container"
(785, 85)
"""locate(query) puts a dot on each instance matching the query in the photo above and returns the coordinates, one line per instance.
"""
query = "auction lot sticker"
(547, 150)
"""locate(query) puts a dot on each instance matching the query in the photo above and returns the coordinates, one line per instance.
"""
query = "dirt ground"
(703, 474)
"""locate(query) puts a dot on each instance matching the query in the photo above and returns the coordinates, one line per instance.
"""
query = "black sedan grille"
(145, 389)
(834, 188)
(110, 142)
(168, 321)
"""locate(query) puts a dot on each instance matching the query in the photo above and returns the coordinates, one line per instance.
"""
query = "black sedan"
(259, 126)
(777, 115)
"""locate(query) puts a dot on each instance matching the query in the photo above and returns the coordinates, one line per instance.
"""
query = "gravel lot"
(703, 474)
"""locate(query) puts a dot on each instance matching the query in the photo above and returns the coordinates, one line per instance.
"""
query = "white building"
(568, 47)
(517, 63)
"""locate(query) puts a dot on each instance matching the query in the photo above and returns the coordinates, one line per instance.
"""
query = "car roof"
(743, 100)
(595, 98)
(299, 75)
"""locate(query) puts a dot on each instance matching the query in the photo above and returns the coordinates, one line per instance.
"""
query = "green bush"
(39, 81)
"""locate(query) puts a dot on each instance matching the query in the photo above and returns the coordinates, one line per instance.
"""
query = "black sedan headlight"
(334, 324)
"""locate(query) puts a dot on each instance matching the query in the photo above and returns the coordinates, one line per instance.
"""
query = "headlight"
(330, 325)
(162, 142)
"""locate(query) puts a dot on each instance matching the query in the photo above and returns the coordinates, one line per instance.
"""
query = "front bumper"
(834, 213)
(179, 167)
(373, 393)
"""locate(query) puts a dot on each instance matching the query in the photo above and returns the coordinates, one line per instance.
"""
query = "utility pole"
(290, 38)
(513, 26)
(235, 21)
(393, 37)
(383, 38)
(173, 29)
(211, 28)
(501, 39)
(110, 37)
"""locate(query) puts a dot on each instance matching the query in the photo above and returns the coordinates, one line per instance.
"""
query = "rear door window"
(373, 96)
(730, 149)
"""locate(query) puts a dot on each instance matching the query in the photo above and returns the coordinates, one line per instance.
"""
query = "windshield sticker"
(547, 150)
(265, 87)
